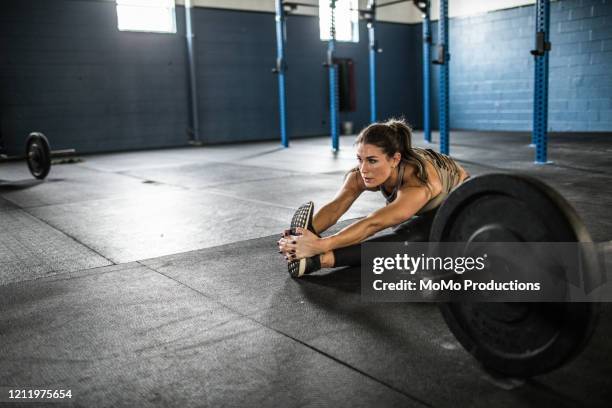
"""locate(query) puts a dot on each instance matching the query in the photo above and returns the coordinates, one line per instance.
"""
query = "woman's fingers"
(291, 257)
(303, 232)
(287, 245)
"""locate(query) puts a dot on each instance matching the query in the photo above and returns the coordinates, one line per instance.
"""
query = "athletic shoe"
(304, 266)
(303, 218)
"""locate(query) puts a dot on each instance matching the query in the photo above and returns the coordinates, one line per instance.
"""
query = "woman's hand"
(303, 245)
(285, 238)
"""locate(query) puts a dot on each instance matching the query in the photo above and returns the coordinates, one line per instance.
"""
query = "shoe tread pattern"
(300, 219)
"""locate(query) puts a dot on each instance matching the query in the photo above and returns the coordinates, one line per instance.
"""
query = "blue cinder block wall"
(238, 95)
(67, 71)
(491, 69)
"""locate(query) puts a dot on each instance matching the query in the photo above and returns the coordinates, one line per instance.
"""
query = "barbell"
(514, 339)
(38, 155)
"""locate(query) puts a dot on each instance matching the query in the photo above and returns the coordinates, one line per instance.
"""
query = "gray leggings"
(416, 229)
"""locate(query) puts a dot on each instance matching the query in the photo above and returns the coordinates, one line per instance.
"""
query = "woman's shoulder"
(409, 174)
(411, 179)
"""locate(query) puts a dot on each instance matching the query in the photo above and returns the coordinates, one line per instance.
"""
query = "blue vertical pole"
(539, 136)
(373, 49)
(444, 78)
(192, 73)
(280, 70)
(426, 76)
(333, 79)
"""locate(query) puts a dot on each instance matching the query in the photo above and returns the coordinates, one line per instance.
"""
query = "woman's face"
(375, 166)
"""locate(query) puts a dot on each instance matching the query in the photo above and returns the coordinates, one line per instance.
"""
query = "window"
(347, 20)
(146, 15)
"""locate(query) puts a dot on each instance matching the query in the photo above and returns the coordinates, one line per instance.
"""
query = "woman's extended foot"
(302, 218)
(304, 266)
(308, 265)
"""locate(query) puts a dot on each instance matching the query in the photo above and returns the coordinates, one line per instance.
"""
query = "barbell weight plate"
(514, 339)
(38, 155)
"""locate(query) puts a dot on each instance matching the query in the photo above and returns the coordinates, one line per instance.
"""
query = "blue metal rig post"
(372, 51)
(539, 136)
(280, 70)
(444, 57)
(333, 78)
(426, 76)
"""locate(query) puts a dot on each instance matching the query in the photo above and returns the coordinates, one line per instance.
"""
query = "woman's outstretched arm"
(408, 202)
(331, 212)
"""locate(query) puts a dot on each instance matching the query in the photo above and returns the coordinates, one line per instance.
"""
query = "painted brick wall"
(491, 69)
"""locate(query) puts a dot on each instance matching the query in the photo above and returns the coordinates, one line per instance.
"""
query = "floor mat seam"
(321, 352)
(71, 237)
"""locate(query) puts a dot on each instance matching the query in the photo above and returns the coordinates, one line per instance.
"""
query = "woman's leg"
(415, 229)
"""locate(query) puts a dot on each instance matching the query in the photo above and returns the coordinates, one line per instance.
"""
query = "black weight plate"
(514, 339)
(38, 155)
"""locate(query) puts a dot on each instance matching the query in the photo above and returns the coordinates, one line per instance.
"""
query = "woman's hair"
(393, 136)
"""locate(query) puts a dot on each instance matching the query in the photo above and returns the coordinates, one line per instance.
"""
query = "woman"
(413, 181)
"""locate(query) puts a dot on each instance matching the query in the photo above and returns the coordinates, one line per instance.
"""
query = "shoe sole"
(300, 219)
(297, 268)
(302, 216)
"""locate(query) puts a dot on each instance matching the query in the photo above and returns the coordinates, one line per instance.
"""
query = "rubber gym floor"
(152, 279)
